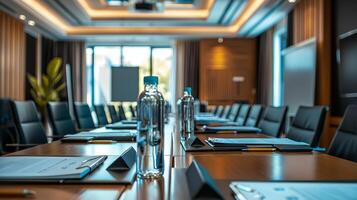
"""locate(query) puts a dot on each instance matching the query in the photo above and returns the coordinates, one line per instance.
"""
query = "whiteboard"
(125, 83)
(299, 63)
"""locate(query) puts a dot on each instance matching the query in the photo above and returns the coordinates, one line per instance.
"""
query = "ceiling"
(111, 20)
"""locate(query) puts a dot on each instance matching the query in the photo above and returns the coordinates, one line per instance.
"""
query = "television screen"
(125, 83)
(299, 63)
(348, 66)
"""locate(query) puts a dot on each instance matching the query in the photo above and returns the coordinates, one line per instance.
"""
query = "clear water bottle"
(179, 114)
(150, 136)
(187, 110)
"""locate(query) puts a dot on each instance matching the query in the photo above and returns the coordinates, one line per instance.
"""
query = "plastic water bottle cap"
(188, 90)
(151, 80)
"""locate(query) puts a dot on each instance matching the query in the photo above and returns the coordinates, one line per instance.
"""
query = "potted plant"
(49, 87)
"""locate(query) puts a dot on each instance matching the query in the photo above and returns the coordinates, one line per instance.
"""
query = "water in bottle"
(187, 111)
(150, 136)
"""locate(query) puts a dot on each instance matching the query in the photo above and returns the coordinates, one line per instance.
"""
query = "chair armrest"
(55, 136)
(84, 129)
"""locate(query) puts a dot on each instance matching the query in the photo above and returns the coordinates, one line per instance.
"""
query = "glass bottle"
(150, 136)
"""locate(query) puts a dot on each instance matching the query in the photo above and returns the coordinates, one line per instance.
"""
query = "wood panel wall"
(312, 18)
(219, 63)
(12, 58)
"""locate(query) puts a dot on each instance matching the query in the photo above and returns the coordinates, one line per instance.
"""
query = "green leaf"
(57, 78)
(53, 67)
(33, 82)
(60, 87)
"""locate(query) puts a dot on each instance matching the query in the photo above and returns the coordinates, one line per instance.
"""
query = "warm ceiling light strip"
(125, 14)
(250, 9)
(51, 16)
(197, 31)
(227, 31)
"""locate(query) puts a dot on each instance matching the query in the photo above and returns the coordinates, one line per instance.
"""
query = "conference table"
(223, 167)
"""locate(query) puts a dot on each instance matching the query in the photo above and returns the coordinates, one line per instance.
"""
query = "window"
(162, 67)
(278, 67)
(104, 59)
(138, 56)
(150, 60)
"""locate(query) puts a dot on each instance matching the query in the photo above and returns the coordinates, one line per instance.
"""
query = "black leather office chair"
(101, 115)
(220, 111)
(242, 115)
(29, 125)
(344, 143)
(307, 125)
(113, 114)
(60, 119)
(273, 120)
(226, 111)
(234, 112)
(133, 111)
(8, 129)
(254, 116)
(83, 116)
(121, 111)
(214, 109)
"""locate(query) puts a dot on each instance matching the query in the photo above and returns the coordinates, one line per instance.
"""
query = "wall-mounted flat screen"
(348, 66)
(125, 83)
(299, 63)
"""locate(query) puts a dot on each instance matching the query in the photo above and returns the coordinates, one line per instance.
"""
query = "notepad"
(254, 141)
(210, 118)
(241, 129)
(129, 121)
(121, 126)
(294, 190)
(117, 135)
(47, 168)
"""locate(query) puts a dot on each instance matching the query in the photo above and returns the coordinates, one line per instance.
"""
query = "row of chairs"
(21, 125)
(306, 126)
(269, 119)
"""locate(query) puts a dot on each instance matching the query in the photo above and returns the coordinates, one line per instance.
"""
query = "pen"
(260, 149)
(10, 192)
(101, 142)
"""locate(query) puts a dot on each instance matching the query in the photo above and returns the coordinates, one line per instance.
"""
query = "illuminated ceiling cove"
(200, 18)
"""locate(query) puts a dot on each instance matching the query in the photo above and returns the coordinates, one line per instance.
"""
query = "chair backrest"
(113, 113)
(308, 124)
(254, 116)
(101, 115)
(226, 111)
(60, 119)
(273, 120)
(220, 111)
(344, 143)
(122, 115)
(8, 129)
(242, 114)
(234, 112)
(133, 111)
(214, 109)
(29, 125)
(84, 116)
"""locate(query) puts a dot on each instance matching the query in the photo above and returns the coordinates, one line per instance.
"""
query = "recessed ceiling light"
(22, 17)
(292, 1)
(31, 23)
(220, 40)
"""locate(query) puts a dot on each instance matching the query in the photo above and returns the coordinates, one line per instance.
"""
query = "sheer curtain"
(187, 66)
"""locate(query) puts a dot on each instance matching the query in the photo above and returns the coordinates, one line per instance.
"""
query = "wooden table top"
(222, 166)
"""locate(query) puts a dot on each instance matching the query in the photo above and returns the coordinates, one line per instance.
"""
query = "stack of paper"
(45, 167)
(293, 190)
